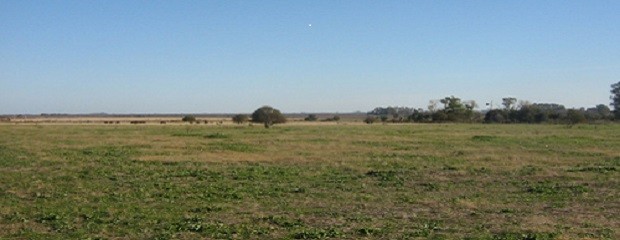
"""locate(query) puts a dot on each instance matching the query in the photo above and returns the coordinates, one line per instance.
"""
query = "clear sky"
(302, 56)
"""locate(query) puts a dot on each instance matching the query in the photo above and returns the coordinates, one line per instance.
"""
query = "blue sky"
(235, 56)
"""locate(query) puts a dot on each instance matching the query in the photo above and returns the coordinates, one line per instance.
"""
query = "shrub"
(575, 116)
(240, 118)
(496, 116)
(370, 119)
(188, 118)
(311, 117)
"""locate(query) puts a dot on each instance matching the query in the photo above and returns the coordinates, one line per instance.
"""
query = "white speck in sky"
(309, 25)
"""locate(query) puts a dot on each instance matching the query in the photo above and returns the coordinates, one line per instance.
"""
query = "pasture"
(410, 181)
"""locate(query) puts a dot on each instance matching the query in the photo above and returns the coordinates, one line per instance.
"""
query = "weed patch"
(529, 170)
(188, 134)
(524, 236)
(368, 231)
(596, 169)
(551, 188)
(318, 233)
(216, 136)
(233, 147)
(282, 221)
(389, 177)
(483, 138)
(10, 157)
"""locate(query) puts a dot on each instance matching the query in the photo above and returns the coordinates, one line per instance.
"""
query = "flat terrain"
(405, 181)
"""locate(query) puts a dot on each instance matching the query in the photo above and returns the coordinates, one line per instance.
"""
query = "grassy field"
(310, 182)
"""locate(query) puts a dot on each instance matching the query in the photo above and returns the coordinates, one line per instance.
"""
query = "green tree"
(615, 99)
(452, 104)
(600, 112)
(574, 116)
(455, 110)
(240, 118)
(268, 116)
(384, 118)
(603, 111)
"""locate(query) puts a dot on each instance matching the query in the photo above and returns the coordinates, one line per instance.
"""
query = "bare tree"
(509, 103)
(432, 106)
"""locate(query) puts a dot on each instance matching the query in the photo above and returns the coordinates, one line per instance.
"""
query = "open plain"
(341, 181)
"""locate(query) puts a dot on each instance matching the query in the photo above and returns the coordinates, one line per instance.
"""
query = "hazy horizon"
(120, 57)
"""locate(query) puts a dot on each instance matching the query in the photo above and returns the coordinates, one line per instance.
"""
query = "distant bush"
(332, 119)
(188, 118)
(240, 118)
(496, 116)
(575, 116)
(311, 118)
(370, 119)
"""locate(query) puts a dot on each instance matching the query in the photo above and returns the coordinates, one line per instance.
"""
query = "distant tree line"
(314, 118)
(453, 109)
(547, 113)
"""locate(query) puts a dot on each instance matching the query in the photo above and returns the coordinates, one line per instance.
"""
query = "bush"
(332, 119)
(188, 118)
(268, 116)
(240, 118)
(311, 117)
(496, 116)
(370, 119)
(575, 116)
(439, 116)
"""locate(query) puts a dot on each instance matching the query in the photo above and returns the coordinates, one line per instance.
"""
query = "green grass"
(310, 182)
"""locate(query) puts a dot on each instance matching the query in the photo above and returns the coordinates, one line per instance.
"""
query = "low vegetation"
(189, 118)
(434, 181)
(240, 118)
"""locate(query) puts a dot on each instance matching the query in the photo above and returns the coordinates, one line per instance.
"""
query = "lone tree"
(615, 98)
(268, 116)
(240, 118)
